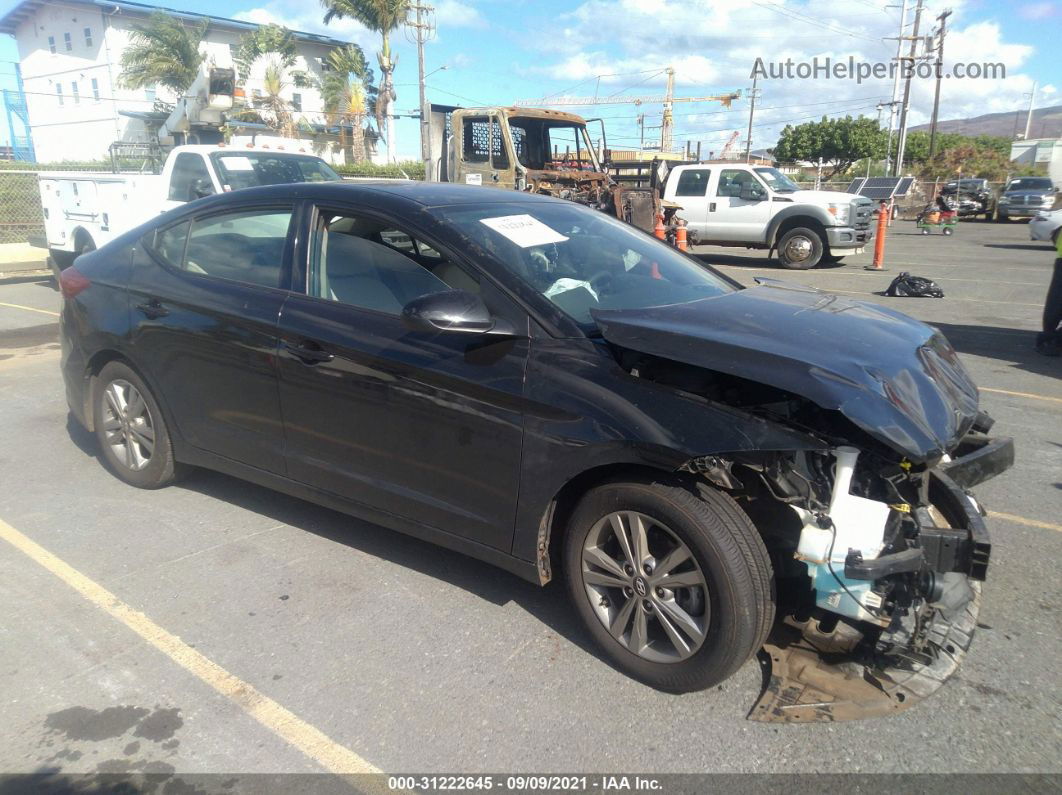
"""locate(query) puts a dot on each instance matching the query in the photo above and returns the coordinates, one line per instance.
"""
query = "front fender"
(811, 212)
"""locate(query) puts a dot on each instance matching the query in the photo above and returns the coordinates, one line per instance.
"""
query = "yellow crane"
(668, 100)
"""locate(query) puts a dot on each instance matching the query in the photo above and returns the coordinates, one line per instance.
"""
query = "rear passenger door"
(205, 296)
(423, 426)
(691, 194)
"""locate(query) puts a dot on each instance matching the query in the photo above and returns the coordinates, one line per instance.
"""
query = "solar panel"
(881, 188)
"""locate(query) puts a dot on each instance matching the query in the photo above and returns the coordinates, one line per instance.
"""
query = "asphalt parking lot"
(217, 627)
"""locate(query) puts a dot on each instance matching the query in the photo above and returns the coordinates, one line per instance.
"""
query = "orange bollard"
(879, 239)
(680, 236)
(658, 230)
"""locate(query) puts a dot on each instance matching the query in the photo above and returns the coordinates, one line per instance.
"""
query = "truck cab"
(758, 207)
(539, 151)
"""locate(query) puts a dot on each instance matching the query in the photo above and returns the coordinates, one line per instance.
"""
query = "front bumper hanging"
(822, 676)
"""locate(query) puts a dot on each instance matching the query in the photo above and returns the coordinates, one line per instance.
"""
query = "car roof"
(427, 194)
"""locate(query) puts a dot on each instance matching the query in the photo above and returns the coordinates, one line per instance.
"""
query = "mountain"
(1046, 123)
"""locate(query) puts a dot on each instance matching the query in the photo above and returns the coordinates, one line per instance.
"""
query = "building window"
(59, 92)
(75, 92)
(296, 102)
(256, 97)
(96, 89)
(149, 93)
(68, 42)
(88, 37)
(51, 44)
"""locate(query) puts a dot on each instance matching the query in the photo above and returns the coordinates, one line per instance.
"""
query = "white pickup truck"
(84, 210)
(734, 204)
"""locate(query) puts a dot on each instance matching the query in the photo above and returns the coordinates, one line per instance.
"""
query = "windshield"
(238, 170)
(582, 259)
(777, 181)
(552, 145)
(1029, 183)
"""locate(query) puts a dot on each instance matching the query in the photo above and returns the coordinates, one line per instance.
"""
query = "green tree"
(271, 52)
(273, 41)
(163, 52)
(383, 17)
(839, 142)
(347, 92)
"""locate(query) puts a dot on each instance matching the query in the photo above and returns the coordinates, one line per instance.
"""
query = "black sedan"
(541, 386)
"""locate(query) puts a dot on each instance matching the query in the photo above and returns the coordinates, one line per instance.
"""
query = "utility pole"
(420, 27)
(1028, 118)
(895, 86)
(752, 111)
(898, 167)
(880, 106)
(667, 126)
(943, 18)
(641, 132)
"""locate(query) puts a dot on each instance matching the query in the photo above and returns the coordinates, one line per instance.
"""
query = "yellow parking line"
(30, 309)
(1009, 517)
(289, 727)
(1021, 394)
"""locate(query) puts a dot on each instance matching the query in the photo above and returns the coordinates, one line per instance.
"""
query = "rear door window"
(693, 182)
(190, 179)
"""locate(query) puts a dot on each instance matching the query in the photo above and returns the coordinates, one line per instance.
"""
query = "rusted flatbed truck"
(534, 150)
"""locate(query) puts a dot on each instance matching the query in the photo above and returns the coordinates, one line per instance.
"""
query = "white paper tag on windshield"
(524, 230)
(238, 163)
(473, 179)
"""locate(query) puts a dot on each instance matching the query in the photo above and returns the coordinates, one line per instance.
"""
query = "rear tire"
(800, 249)
(723, 617)
(132, 433)
(62, 259)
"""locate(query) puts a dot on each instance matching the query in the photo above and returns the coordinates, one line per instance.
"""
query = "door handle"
(711, 207)
(309, 352)
(153, 309)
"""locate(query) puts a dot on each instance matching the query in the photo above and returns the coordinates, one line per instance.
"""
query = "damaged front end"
(878, 548)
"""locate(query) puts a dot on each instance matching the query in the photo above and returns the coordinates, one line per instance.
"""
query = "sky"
(500, 51)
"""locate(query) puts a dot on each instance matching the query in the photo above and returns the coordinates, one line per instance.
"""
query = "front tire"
(130, 428)
(675, 586)
(800, 249)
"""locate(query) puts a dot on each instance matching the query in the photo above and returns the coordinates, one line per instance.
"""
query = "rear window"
(238, 170)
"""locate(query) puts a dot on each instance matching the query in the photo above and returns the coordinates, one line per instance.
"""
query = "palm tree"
(382, 16)
(277, 110)
(164, 52)
(345, 90)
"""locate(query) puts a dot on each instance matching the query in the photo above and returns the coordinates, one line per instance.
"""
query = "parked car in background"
(1045, 226)
(758, 207)
(970, 197)
(83, 210)
(538, 384)
(1024, 197)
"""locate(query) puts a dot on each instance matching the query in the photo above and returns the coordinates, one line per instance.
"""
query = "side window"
(372, 265)
(476, 140)
(731, 180)
(169, 243)
(693, 182)
(499, 158)
(246, 246)
(189, 179)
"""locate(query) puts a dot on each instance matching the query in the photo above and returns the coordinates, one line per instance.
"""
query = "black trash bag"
(907, 286)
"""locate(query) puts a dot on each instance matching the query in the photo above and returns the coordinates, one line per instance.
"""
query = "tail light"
(72, 282)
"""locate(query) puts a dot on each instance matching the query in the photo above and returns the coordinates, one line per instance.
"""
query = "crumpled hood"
(895, 377)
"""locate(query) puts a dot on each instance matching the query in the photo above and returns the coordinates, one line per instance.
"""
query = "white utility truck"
(735, 204)
(83, 210)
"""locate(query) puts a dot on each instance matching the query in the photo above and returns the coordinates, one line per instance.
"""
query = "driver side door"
(425, 426)
(730, 217)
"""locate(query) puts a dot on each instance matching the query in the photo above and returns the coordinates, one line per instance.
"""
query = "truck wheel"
(83, 246)
(676, 587)
(62, 259)
(800, 249)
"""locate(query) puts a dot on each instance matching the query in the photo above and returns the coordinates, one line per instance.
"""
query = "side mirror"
(453, 311)
(752, 192)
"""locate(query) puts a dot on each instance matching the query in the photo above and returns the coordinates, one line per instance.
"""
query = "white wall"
(83, 130)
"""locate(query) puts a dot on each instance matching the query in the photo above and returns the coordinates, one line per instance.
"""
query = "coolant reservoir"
(855, 523)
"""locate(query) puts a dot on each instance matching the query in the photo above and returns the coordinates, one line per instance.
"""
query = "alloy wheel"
(645, 587)
(127, 425)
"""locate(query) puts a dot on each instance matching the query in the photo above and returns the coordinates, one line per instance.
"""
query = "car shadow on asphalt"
(1010, 345)
(756, 262)
(491, 584)
(1021, 246)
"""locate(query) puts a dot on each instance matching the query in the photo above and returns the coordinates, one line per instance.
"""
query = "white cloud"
(455, 14)
(309, 17)
(713, 44)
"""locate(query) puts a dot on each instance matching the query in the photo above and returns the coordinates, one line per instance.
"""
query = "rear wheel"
(675, 587)
(131, 430)
(800, 249)
(62, 259)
